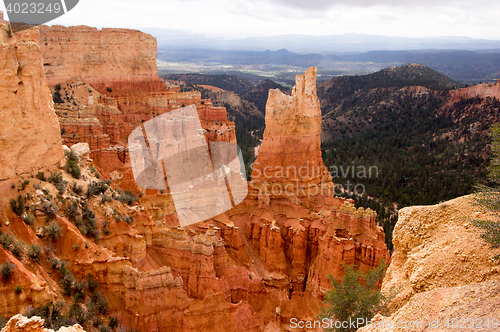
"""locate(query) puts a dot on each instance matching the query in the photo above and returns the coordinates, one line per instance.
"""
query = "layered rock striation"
(108, 84)
(30, 135)
(441, 269)
(93, 55)
(290, 157)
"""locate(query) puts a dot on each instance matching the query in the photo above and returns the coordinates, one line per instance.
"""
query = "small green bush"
(72, 211)
(92, 283)
(17, 249)
(56, 97)
(127, 219)
(24, 184)
(6, 270)
(34, 252)
(50, 209)
(28, 218)
(55, 177)
(87, 225)
(67, 283)
(96, 188)
(41, 176)
(52, 314)
(52, 231)
(54, 263)
(6, 240)
(113, 322)
(127, 197)
(18, 206)
(78, 190)
(100, 302)
(96, 173)
(73, 169)
(356, 296)
(105, 199)
(8, 29)
(18, 289)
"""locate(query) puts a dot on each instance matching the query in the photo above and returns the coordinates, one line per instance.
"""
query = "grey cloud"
(328, 4)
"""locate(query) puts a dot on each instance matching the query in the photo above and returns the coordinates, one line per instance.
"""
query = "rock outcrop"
(30, 134)
(93, 55)
(485, 90)
(431, 241)
(290, 157)
(292, 229)
(441, 268)
(107, 84)
(19, 323)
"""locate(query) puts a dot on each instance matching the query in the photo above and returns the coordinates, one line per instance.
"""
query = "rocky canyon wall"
(250, 269)
(108, 85)
(441, 269)
(30, 134)
(94, 55)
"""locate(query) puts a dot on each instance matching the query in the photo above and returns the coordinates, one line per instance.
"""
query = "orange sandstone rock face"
(30, 133)
(94, 55)
(291, 150)
(441, 269)
(109, 85)
(293, 230)
(19, 323)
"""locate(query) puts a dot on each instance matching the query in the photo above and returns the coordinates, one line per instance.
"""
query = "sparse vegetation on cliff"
(489, 196)
(34, 252)
(356, 296)
(72, 165)
(8, 29)
(52, 231)
(127, 197)
(17, 206)
(6, 270)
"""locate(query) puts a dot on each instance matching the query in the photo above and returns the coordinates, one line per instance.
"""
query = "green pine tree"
(356, 296)
(488, 197)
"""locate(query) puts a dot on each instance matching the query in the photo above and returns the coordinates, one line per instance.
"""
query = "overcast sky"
(240, 18)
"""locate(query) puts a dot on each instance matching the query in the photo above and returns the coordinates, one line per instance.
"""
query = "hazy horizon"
(259, 18)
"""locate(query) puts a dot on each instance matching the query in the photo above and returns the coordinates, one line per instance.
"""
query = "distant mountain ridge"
(343, 43)
(335, 90)
(258, 95)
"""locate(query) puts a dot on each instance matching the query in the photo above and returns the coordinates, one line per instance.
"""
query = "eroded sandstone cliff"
(95, 55)
(108, 84)
(256, 266)
(441, 269)
(30, 134)
(19, 323)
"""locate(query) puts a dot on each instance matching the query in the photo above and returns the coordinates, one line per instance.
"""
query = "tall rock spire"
(291, 150)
